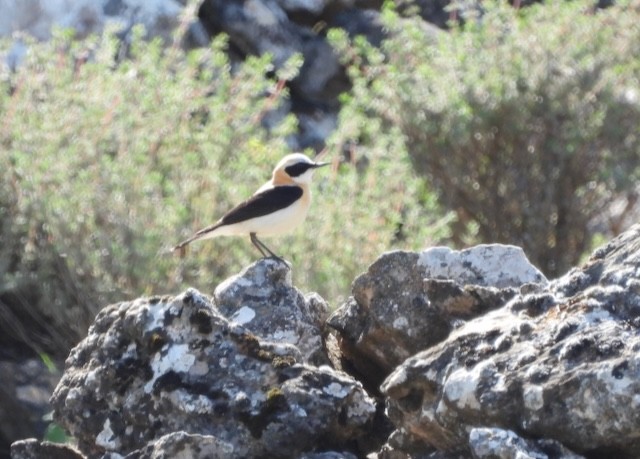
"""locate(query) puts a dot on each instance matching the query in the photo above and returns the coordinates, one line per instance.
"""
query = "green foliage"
(56, 434)
(109, 162)
(49, 363)
(524, 121)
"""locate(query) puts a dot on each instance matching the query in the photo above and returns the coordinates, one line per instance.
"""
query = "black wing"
(263, 203)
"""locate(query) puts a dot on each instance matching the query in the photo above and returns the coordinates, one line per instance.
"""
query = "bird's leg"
(262, 247)
(256, 243)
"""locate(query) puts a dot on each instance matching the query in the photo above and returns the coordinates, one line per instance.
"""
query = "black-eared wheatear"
(276, 208)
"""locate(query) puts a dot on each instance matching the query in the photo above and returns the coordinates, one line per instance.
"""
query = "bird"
(277, 207)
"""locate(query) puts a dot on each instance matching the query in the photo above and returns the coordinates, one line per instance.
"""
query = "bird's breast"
(284, 220)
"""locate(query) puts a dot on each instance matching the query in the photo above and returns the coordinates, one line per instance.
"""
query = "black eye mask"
(298, 169)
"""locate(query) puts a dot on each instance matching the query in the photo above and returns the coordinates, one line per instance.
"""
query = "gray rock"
(155, 366)
(283, 28)
(181, 445)
(441, 12)
(494, 265)
(24, 399)
(36, 449)
(262, 26)
(560, 363)
(311, 7)
(315, 128)
(188, 446)
(401, 445)
(494, 443)
(38, 17)
(328, 455)
(407, 301)
(359, 22)
(263, 300)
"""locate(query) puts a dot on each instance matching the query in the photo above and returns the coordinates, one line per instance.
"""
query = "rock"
(156, 366)
(24, 399)
(328, 455)
(407, 301)
(397, 447)
(359, 22)
(35, 449)
(184, 445)
(561, 363)
(494, 443)
(494, 265)
(311, 7)
(263, 300)
(38, 17)
(257, 27)
(262, 26)
(181, 445)
(440, 12)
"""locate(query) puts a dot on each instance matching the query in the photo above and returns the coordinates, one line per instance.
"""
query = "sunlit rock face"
(154, 367)
(409, 301)
(559, 363)
(263, 299)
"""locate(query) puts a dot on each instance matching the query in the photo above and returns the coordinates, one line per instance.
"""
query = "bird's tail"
(181, 248)
(186, 242)
(202, 234)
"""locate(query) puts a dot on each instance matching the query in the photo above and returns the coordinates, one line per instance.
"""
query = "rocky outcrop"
(407, 301)
(34, 449)
(155, 367)
(560, 363)
(491, 442)
(263, 300)
(516, 366)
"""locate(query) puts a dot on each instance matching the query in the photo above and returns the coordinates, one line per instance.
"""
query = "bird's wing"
(263, 203)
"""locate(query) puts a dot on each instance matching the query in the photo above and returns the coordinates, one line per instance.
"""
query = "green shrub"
(108, 163)
(524, 121)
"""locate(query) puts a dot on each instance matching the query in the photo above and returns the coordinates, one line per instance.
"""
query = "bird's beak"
(317, 165)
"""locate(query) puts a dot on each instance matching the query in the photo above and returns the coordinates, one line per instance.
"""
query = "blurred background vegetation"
(520, 126)
(525, 123)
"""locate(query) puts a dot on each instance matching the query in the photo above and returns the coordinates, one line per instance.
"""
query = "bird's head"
(296, 167)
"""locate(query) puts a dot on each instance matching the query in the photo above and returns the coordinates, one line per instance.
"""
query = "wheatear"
(276, 208)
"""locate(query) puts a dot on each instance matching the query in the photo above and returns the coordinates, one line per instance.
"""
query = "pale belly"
(280, 222)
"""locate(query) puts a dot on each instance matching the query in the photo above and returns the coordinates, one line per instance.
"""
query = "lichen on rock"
(156, 366)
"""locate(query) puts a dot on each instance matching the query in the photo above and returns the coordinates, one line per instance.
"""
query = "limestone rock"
(494, 265)
(263, 300)
(155, 366)
(182, 445)
(35, 449)
(187, 446)
(407, 301)
(399, 446)
(561, 363)
(494, 443)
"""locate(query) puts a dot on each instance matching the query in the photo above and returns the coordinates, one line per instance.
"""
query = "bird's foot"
(280, 259)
